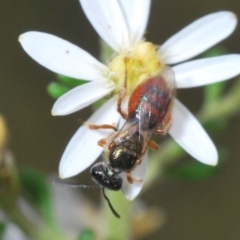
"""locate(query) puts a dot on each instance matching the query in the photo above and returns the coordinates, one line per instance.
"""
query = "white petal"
(82, 150)
(12, 231)
(108, 20)
(198, 37)
(136, 15)
(206, 71)
(132, 190)
(80, 97)
(61, 56)
(189, 134)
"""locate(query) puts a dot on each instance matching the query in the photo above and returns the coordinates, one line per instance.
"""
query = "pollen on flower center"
(135, 65)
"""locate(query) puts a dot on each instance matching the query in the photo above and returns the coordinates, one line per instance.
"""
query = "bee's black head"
(106, 177)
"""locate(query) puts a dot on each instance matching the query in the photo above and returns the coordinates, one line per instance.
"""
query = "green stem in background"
(113, 224)
(20, 220)
(43, 232)
(168, 153)
(224, 107)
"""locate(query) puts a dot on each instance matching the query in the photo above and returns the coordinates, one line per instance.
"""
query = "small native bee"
(149, 112)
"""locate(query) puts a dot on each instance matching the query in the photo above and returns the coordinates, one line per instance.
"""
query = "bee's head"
(106, 177)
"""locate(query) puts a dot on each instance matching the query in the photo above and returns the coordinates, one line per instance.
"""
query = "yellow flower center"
(135, 65)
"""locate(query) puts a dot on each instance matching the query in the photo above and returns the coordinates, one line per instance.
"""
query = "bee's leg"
(162, 130)
(165, 125)
(123, 92)
(101, 126)
(102, 142)
(153, 145)
(131, 179)
(121, 97)
(129, 176)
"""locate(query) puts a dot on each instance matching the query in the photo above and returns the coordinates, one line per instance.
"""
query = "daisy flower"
(119, 25)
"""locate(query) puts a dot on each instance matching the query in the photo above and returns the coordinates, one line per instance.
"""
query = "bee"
(149, 112)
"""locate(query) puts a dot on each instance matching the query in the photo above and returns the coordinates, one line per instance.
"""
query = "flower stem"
(41, 232)
(118, 229)
(223, 107)
(17, 217)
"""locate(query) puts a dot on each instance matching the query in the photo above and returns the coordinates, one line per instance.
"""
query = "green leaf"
(87, 234)
(96, 105)
(70, 82)
(56, 90)
(216, 126)
(213, 91)
(215, 51)
(36, 187)
(194, 171)
(2, 229)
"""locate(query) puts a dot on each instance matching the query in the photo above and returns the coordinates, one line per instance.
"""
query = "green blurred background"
(206, 210)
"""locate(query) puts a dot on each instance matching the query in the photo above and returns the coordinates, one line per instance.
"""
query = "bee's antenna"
(110, 205)
(65, 185)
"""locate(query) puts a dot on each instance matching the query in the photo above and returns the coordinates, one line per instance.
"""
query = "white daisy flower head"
(118, 23)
